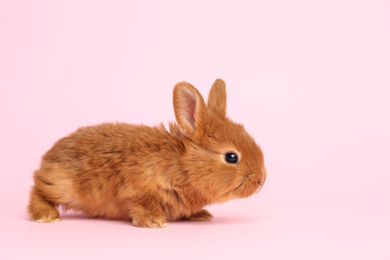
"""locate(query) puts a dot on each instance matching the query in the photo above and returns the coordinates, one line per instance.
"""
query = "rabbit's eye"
(231, 158)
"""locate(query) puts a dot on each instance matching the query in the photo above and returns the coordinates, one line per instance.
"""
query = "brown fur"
(148, 174)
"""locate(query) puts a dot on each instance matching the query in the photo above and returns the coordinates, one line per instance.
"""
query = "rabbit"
(149, 175)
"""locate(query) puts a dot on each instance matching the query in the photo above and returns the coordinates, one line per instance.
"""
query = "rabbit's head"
(221, 159)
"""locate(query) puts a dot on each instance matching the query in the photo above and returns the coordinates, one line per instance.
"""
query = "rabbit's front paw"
(202, 215)
(150, 221)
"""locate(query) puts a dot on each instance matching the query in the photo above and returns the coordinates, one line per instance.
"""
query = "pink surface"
(309, 80)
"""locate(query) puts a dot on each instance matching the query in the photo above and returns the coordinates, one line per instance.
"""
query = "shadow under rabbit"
(217, 220)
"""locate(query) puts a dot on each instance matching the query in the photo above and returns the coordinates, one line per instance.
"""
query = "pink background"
(310, 80)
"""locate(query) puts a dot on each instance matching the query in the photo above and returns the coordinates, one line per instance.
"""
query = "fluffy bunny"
(150, 175)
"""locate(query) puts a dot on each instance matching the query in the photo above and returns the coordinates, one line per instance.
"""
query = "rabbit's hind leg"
(40, 209)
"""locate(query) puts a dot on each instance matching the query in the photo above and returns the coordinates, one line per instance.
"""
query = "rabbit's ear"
(190, 108)
(217, 98)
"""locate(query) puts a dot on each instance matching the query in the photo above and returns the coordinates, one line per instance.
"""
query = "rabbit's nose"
(261, 180)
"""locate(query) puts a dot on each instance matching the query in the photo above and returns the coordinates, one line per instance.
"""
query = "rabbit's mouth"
(242, 183)
(246, 188)
(250, 185)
